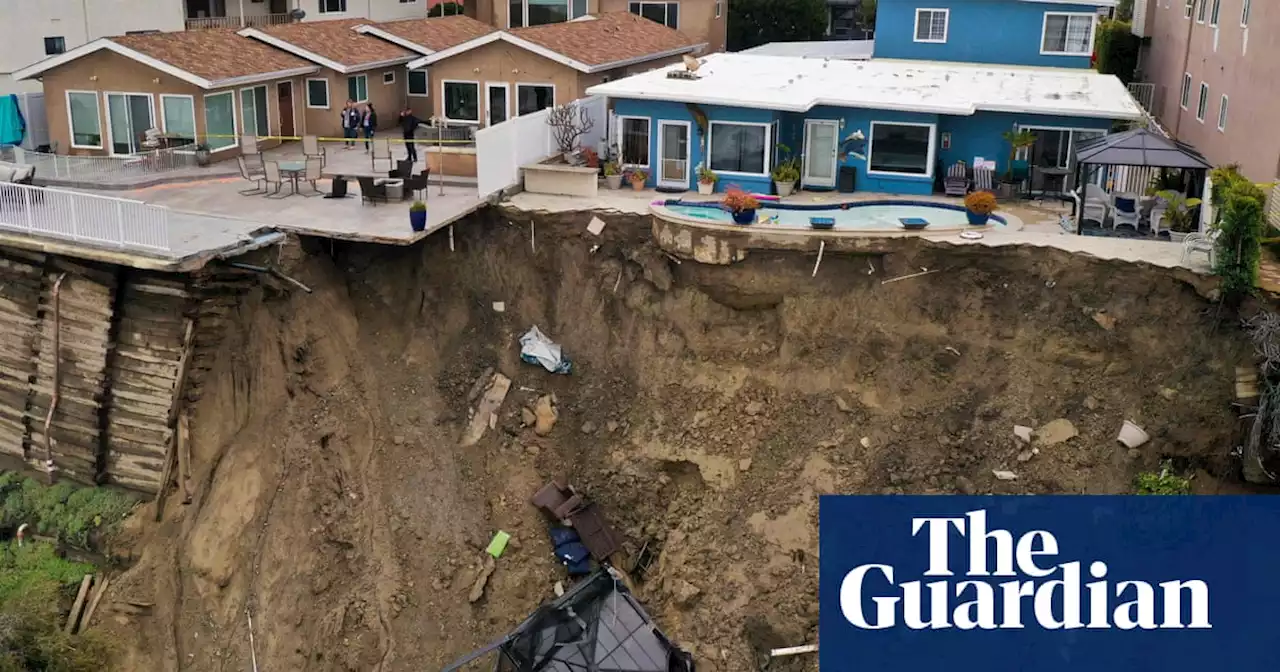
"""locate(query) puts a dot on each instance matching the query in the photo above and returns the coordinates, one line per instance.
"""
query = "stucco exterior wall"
(387, 99)
(377, 10)
(697, 20)
(499, 63)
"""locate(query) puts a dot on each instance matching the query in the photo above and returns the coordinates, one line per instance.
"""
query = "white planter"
(1132, 435)
(784, 190)
(706, 188)
(613, 181)
(560, 179)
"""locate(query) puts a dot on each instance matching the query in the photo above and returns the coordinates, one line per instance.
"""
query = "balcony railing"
(253, 21)
(102, 168)
(1144, 93)
(103, 220)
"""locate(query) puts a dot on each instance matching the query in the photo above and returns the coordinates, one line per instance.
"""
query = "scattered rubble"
(545, 416)
(1004, 475)
(1055, 432)
(477, 589)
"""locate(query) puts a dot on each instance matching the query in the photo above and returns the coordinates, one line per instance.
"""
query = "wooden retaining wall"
(122, 349)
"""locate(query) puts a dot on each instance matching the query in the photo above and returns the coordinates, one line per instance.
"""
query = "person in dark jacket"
(350, 123)
(409, 126)
(369, 123)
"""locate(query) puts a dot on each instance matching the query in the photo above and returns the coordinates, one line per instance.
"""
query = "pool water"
(864, 216)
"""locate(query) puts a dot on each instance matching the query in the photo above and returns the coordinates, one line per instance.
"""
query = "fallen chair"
(561, 503)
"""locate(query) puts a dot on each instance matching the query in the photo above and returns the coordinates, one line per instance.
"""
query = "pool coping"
(659, 209)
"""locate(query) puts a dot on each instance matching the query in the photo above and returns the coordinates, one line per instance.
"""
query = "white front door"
(821, 143)
(673, 154)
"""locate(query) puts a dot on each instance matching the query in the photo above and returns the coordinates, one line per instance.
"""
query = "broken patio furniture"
(956, 182)
(562, 503)
(1200, 242)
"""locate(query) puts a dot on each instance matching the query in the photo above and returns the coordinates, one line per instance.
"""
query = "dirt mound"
(708, 409)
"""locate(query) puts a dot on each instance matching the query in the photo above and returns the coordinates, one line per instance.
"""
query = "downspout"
(1186, 60)
(242, 13)
(57, 374)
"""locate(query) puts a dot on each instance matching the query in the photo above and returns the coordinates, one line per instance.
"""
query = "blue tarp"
(13, 128)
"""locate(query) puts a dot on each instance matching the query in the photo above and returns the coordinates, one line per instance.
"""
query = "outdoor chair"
(1157, 218)
(1096, 204)
(956, 182)
(984, 179)
(256, 177)
(249, 145)
(311, 149)
(311, 175)
(271, 175)
(1200, 242)
(381, 151)
(372, 191)
(1125, 211)
(417, 183)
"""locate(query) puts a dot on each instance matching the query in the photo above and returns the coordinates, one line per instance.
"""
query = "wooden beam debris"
(74, 617)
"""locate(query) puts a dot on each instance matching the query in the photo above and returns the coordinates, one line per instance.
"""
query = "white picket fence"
(102, 168)
(104, 220)
(503, 148)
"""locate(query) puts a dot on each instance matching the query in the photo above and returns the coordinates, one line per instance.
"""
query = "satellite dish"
(691, 64)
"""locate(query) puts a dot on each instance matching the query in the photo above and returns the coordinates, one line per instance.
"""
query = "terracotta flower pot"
(638, 185)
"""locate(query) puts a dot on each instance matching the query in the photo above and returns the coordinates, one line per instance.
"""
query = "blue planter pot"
(744, 216)
(976, 219)
(418, 220)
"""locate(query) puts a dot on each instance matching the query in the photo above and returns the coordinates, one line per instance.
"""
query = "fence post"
(26, 202)
(75, 220)
(120, 221)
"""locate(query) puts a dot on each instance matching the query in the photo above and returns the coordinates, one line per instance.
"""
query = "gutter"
(400, 60)
(641, 59)
(264, 77)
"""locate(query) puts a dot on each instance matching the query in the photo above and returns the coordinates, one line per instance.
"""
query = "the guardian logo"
(1013, 583)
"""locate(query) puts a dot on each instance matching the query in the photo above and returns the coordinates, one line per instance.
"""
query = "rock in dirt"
(612, 426)
(744, 464)
(588, 427)
(865, 442)
(1056, 431)
(398, 440)
(843, 405)
(527, 418)
(532, 450)
(1105, 321)
(1023, 433)
(477, 589)
(684, 592)
(1134, 454)
(965, 485)
(1004, 475)
(1168, 393)
(1026, 455)
(754, 408)
(1091, 403)
(545, 416)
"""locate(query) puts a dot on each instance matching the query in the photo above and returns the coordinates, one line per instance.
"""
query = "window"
(253, 111)
(461, 101)
(54, 46)
(931, 25)
(1190, 9)
(538, 12)
(1213, 16)
(1204, 5)
(1203, 105)
(739, 148)
(389, 77)
(533, 97)
(666, 13)
(418, 83)
(634, 141)
(1186, 90)
(86, 119)
(718, 10)
(318, 93)
(1068, 34)
(332, 6)
(220, 120)
(1244, 15)
(1222, 115)
(178, 114)
(358, 88)
(900, 149)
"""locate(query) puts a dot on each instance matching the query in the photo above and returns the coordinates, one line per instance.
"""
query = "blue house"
(895, 124)
(1047, 33)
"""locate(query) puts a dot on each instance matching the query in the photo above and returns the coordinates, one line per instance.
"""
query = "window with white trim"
(389, 77)
(1204, 6)
(318, 93)
(739, 148)
(900, 149)
(54, 46)
(718, 9)
(1189, 9)
(1068, 34)
(1215, 14)
(418, 84)
(253, 111)
(220, 120)
(86, 119)
(666, 13)
(358, 88)
(1244, 14)
(1202, 106)
(633, 141)
(179, 116)
(521, 13)
(461, 101)
(931, 25)
(332, 6)
(1222, 115)
(1185, 100)
(531, 98)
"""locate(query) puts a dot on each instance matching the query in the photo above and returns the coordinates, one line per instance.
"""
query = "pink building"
(1213, 69)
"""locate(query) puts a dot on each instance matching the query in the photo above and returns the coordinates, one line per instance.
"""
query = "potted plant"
(786, 173)
(418, 216)
(1018, 140)
(1179, 214)
(707, 179)
(636, 177)
(978, 206)
(613, 174)
(741, 205)
(202, 154)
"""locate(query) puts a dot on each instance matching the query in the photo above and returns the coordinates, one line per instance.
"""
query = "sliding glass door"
(129, 117)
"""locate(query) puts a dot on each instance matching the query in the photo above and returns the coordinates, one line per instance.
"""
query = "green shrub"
(36, 590)
(1117, 49)
(1163, 483)
(70, 513)
(1240, 215)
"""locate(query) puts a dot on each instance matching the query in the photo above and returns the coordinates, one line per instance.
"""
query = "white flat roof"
(794, 84)
(848, 50)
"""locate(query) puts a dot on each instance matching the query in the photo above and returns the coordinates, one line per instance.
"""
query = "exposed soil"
(707, 410)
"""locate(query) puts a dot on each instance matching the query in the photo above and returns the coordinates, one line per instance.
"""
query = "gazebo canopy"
(1140, 147)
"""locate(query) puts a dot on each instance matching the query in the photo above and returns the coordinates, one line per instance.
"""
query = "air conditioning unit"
(1141, 17)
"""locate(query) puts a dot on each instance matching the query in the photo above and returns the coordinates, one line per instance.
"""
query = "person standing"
(409, 127)
(369, 122)
(350, 123)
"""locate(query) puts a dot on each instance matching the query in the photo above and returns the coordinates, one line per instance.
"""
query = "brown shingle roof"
(338, 41)
(437, 33)
(611, 37)
(214, 55)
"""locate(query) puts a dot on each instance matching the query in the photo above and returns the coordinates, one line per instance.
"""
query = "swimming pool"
(881, 216)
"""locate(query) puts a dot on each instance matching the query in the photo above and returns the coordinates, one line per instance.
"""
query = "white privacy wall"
(502, 149)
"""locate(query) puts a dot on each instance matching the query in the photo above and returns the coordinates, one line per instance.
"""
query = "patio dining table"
(294, 170)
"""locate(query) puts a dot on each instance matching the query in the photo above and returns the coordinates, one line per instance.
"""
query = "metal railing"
(252, 21)
(115, 222)
(454, 135)
(89, 168)
(1144, 93)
